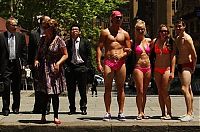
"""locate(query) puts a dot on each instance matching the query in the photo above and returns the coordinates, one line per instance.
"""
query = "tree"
(66, 12)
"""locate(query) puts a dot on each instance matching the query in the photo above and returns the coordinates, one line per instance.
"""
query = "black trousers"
(12, 82)
(77, 77)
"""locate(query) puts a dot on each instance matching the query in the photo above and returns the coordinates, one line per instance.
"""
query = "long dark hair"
(169, 40)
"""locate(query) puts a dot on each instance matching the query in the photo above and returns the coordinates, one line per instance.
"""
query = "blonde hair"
(11, 19)
(140, 22)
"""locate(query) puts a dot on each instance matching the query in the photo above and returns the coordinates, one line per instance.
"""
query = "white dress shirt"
(11, 46)
(76, 58)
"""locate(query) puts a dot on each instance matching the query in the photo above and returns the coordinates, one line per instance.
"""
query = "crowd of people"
(59, 65)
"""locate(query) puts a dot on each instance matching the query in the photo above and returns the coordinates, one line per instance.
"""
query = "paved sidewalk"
(25, 121)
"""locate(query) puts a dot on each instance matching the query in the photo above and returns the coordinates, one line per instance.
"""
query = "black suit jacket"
(33, 45)
(21, 51)
(84, 51)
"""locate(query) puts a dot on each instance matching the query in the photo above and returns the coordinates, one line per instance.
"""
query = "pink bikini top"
(139, 50)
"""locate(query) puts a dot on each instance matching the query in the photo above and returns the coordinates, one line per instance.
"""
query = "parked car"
(100, 80)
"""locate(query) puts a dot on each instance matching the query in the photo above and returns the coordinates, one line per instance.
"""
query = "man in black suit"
(76, 68)
(32, 51)
(13, 56)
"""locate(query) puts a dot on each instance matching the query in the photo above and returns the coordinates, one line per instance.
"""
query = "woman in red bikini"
(142, 69)
(164, 69)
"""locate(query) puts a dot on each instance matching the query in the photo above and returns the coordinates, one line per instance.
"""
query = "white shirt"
(76, 58)
(11, 46)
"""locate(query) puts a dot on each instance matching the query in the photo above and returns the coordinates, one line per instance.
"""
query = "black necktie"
(75, 54)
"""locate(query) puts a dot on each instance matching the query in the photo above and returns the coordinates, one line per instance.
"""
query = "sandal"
(139, 117)
(145, 117)
(167, 117)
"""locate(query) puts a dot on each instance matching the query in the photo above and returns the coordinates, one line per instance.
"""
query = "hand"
(56, 67)
(36, 63)
(100, 68)
(118, 56)
(171, 76)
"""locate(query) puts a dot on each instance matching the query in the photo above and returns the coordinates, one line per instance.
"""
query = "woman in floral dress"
(51, 55)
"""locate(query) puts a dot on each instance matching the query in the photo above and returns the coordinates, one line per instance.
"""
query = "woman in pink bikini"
(142, 69)
(164, 69)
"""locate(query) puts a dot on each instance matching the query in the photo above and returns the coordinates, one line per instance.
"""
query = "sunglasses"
(13, 25)
(118, 17)
(164, 31)
(140, 29)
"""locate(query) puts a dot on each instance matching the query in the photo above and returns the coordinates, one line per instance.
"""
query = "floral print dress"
(48, 54)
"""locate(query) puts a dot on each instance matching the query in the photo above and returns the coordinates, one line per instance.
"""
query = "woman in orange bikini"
(164, 69)
(142, 69)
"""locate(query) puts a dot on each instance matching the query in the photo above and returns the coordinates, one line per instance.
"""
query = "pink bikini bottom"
(144, 69)
(114, 64)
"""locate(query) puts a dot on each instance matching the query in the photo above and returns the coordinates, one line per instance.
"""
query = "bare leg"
(166, 97)
(147, 78)
(120, 77)
(191, 93)
(158, 80)
(185, 78)
(138, 78)
(108, 78)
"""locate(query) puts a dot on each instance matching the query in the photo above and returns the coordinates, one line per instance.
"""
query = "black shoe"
(84, 112)
(36, 112)
(16, 111)
(6, 112)
(72, 112)
(47, 112)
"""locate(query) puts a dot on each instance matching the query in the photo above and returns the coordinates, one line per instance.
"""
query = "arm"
(24, 49)
(89, 54)
(99, 48)
(173, 62)
(192, 51)
(31, 49)
(64, 57)
(127, 48)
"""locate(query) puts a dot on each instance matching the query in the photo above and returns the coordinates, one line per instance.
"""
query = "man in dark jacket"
(13, 57)
(76, 69)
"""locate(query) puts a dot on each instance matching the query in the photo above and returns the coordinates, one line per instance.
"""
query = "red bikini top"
(158, 50)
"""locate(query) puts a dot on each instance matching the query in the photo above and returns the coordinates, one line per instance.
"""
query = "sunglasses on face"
(13, 25)
(164, 31)
(118, 17)
(140, 29)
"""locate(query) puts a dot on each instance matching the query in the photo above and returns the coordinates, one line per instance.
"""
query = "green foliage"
(66, 12)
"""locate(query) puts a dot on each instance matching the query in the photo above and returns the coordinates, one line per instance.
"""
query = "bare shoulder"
(187, 37)
(105, 32)
(124, 32)
(148, 40)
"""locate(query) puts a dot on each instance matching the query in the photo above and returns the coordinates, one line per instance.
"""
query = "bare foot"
(57, 121)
